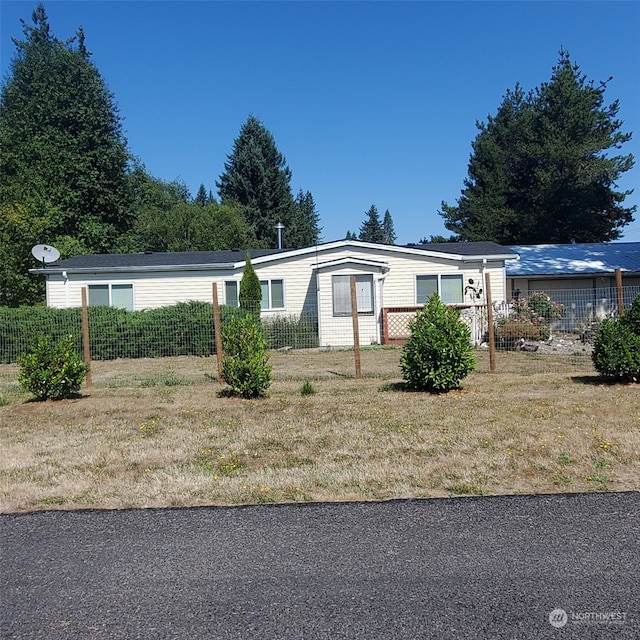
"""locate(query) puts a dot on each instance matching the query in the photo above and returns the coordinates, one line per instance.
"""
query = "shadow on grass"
(406, 388)
(600, 381)
(70, 398)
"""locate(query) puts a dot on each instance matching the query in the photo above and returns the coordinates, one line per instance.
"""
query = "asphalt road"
(457, 568)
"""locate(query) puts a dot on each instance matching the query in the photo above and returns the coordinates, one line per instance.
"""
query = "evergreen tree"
(388, 229)
(309, 220)
(257, 179)
(540, 172)
(250, 295)
(351, 236)
(201, 198)
(371, 229)
(64, 161)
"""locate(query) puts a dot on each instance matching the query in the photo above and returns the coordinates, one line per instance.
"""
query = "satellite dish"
(45, 253)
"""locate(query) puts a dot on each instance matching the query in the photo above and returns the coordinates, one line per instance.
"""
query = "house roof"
(194, 260)
(574, 259)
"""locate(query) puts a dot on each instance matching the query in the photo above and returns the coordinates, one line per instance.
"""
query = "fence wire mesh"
(538, 332)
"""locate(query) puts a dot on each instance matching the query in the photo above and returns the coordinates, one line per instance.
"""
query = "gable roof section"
(233, 259)
(575, 259)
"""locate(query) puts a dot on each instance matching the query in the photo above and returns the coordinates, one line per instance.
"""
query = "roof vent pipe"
(279, 228)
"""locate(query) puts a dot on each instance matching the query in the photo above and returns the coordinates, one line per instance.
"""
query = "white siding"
(394, 271)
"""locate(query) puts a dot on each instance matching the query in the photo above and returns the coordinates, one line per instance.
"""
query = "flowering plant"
(532, 316)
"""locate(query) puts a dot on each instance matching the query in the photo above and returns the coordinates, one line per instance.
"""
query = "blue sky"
(370, 102)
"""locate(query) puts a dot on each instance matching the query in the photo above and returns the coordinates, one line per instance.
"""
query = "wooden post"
(218, 330)
(619, 289)
(356, 328)
(492, 329)
(85, 336)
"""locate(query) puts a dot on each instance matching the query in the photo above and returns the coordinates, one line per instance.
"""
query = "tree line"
(543, 169)
(67, 177)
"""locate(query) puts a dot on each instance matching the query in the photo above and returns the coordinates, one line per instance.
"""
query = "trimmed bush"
(438, 353)
(616, 348)
(244, 366)
(51, 370)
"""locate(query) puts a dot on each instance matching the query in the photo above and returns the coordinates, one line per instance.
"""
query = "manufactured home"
(313, 282)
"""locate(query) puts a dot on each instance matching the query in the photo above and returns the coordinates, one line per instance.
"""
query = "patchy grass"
(160, 433)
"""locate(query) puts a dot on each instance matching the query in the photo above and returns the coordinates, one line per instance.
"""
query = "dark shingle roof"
(216, 259)
(161, 259)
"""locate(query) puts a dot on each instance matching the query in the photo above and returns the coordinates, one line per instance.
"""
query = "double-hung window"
(448, 287)
(341, 290)
(111, 295)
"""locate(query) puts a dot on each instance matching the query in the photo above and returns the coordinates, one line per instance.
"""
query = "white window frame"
(439, 277)
(237, 286)
(366, 305)
(267, 305)
(110, 286)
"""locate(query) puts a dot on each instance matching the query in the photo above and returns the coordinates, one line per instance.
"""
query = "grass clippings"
(153, 433)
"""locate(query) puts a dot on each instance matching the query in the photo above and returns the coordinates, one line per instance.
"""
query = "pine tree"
(540, 171)
(388, 229)
(371, 229)
(64, 162)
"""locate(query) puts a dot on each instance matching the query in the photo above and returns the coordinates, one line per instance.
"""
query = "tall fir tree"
(258, 179)
(64, 162)
(388, 229)
(541, 171)
(371, 229)
(201, 198)
(309, 229)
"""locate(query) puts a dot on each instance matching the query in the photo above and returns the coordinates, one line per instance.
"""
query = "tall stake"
(356, 328)
(218, 330)
(85, 336)
(619, 289)
(492, 329)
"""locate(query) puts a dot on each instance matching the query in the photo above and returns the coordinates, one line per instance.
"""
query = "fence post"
(85, 336)
(619, 289)
(218, 330)
(492, 329)
(356, 328)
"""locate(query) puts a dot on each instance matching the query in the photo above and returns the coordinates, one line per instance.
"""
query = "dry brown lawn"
(152, 433)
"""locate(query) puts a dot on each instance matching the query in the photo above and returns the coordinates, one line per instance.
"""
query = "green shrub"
(290, 331)
(51, 370)
(250, 296)
(438, 353)
(530, 318)
(616, 348)
(244, 365)
(307, 388)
